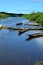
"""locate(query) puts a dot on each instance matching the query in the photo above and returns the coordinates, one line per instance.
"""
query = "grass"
(3, 16)
(35, 16)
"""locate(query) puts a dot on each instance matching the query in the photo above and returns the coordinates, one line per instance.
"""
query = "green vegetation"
(38, 63)
(4, 15)
(35, 16)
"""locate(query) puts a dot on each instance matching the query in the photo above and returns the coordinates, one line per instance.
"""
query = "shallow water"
(14, 49)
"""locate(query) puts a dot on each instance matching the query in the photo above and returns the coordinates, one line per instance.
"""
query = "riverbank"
(4, 15)
(35, 16)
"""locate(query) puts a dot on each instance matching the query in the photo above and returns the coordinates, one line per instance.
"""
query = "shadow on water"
(21, 32)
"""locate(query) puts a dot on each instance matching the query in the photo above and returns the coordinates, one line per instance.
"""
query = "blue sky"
(21, 6)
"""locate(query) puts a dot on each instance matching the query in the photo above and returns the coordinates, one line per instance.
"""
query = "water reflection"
(14, 50)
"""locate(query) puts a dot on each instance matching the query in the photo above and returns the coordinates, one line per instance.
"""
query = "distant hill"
(6, 15)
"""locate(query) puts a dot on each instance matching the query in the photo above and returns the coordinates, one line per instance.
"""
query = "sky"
(21, 6)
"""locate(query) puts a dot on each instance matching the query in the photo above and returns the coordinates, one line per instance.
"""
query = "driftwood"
(27, 29)
(32, 36)
(21, 30)
(32, 24)
(12, 28)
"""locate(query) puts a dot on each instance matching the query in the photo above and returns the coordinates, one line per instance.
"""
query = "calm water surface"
(14, 49)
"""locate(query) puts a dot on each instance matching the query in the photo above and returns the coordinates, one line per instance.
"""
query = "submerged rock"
(19, 23)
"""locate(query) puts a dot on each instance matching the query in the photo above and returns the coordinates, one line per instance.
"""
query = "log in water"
(27, 29)
(33, 24)
(32, 36)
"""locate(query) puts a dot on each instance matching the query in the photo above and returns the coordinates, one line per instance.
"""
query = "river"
(14, 49)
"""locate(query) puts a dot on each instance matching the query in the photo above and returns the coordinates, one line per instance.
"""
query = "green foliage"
(2, 16)
(36, 17)
(38, 63)
(6, 15)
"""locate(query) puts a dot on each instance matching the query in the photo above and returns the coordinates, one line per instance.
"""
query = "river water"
(14, 49)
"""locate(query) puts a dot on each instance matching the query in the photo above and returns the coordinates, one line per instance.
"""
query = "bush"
(37, 17)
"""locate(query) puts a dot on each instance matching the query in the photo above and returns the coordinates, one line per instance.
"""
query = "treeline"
(35, 16)
(5, 15)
